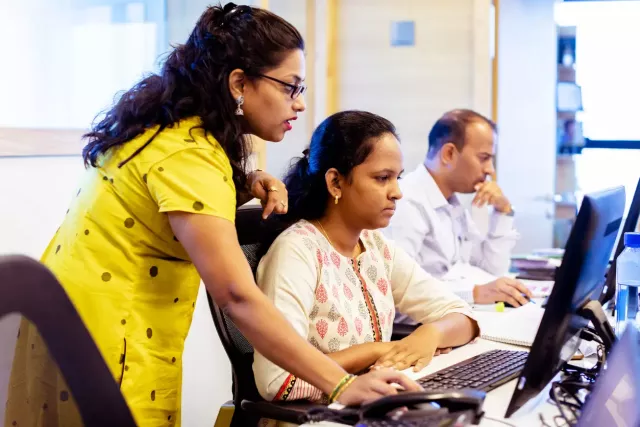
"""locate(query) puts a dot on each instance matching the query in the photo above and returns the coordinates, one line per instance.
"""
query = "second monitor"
(574, 298)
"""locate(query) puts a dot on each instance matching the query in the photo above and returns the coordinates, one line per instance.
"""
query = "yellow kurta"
(128, 276)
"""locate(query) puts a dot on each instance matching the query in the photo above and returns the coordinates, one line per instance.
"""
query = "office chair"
(247, 405)
(27, 287)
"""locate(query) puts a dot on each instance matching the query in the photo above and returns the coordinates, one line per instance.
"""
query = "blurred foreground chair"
(28, 288)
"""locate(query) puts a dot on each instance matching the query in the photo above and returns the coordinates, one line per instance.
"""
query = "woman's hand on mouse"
(376, 384)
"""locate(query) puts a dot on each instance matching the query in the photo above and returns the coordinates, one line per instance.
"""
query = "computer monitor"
(615, 396)
(630, 224)
(577, 279)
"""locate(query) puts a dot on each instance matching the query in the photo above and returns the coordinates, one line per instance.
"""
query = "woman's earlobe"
(236, 83)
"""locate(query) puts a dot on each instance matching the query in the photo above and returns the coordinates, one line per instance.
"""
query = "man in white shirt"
(434, 228)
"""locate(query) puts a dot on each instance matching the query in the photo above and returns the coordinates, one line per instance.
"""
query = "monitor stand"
(594, 312)
(602, 331)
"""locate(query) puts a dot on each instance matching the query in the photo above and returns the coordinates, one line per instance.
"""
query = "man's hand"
(271, 192)
(489, 193)
(503, 289)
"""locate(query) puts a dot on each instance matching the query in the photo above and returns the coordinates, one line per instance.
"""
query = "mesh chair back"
(251, 231)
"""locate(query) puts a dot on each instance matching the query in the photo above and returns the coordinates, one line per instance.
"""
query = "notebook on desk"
(516, 327)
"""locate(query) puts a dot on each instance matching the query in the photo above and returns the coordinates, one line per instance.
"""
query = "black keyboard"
(484, 372)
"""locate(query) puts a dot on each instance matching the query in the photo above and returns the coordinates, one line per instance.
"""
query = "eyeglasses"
(296, 90)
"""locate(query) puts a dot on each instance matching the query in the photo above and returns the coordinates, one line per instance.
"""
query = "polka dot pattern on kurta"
(114, 276)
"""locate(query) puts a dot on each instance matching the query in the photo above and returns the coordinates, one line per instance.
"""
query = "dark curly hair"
(193, 82)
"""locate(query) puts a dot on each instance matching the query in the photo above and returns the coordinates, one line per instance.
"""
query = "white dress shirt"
(336, 302)
(441, 235)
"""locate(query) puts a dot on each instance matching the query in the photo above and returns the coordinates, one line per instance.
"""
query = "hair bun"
(229, 7)
(231, 10)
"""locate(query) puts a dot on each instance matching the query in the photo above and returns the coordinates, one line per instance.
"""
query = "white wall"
(449, 66)
(526, 157)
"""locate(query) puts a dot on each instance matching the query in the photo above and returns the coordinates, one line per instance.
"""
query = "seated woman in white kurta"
(336, 278)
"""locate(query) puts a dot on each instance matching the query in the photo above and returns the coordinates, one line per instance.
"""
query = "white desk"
(497, 401)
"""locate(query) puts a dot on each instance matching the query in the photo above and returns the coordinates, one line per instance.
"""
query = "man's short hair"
(451, 127)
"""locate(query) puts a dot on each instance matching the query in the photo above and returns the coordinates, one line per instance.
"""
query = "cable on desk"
(542, 420)
(555, 421)
(559, 417)
(561, 397)
(499, 421)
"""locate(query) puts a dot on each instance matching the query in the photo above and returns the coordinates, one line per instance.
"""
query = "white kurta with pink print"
(337, 302)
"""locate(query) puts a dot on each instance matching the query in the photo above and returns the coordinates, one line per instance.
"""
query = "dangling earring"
(239, 102)
(336, 200)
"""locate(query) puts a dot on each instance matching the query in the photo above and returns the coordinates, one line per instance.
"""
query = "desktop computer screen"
(578, 282)
(630, 225)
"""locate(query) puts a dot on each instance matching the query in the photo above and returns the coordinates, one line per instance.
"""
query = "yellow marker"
(500, 307)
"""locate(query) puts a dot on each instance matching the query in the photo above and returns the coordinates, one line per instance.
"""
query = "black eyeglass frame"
(296, 90)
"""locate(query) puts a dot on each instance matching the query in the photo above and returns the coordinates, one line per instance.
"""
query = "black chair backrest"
(252, 231)
(29, 288)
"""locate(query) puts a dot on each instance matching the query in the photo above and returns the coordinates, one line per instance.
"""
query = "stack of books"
(540, 265)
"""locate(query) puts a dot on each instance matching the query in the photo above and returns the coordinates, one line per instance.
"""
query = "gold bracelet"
(338, 388)
(343, 388)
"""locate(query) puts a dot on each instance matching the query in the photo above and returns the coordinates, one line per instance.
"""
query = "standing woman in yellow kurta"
(154, 214)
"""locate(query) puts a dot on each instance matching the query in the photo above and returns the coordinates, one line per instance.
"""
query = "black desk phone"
(446, 408)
